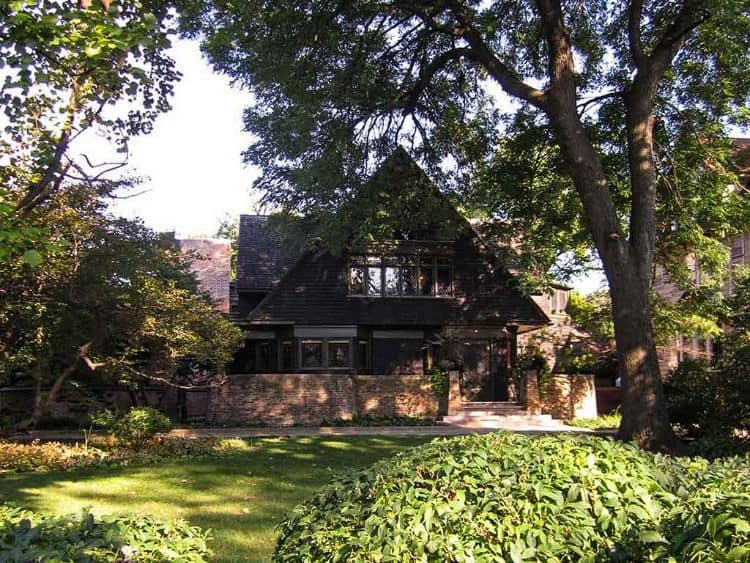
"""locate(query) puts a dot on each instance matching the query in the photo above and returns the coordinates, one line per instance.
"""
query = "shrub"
(51, 455)
(601, 422)
(134, 427)
(61, 457)
(29, 536)
(380, 420)
(711, 398)
(516, 498)
(690, 392)
(439, 381)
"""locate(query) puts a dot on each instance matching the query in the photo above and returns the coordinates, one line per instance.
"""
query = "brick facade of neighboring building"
(211, 263)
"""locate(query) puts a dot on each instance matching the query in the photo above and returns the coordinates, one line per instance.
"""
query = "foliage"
(715, 446)
(691, 391)
(134, 427)
(601, 422)
(240, 497)
(377, 420)
(439, 382)
(229, 228)
(114, 301)
(29, 536)
(54, 456)
(593, 313)
(517, 498)
(710, 397)
(73, 66)
(46, 456)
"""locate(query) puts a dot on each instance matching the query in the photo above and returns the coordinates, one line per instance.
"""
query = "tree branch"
(635, 12)
(505, 76)
(427, 73)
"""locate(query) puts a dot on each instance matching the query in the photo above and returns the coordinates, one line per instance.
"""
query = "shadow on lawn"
(241, 497)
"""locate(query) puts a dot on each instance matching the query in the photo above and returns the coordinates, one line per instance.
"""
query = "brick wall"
(287, 399)
(569, 396)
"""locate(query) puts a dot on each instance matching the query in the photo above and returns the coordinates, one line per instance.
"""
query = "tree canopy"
(111, 302)
(615, 138)
(67, 68)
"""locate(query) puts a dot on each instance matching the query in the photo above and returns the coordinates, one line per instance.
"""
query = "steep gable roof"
(262, 259)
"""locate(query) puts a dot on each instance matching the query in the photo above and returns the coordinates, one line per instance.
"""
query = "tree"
(229, 228)
(69, 67)
(113, 302)
(617, 86)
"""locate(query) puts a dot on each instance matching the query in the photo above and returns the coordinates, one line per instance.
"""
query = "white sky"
(193, 155)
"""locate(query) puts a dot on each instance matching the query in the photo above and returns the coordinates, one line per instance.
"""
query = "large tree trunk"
(644, 412)
(627, 264)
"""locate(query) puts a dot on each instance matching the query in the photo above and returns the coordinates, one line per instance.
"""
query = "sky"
(192, 158)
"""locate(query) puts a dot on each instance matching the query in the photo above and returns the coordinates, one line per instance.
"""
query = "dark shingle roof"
(262, 259)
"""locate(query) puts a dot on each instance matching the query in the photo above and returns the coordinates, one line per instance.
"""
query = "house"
(430, 294)
(210, 262)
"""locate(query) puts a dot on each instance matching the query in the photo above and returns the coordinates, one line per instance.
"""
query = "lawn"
(240, 497)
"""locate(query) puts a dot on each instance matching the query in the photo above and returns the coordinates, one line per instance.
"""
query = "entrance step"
(497, 415)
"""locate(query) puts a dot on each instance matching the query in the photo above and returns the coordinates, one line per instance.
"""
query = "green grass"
(241, 497)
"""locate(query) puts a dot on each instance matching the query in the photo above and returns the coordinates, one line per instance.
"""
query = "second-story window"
(401, 276)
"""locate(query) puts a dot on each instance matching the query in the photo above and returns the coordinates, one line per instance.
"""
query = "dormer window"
(401, 276)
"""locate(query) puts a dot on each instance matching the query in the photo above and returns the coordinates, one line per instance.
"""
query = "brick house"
(210, 262)
(683, 346)
(397, 307)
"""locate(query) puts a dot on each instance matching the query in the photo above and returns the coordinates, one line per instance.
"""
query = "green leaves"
(62, 64)
(513, 498)
(33, 258)
(29, 536)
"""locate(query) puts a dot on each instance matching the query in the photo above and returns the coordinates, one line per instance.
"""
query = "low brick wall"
(569, 396)
(287, 399)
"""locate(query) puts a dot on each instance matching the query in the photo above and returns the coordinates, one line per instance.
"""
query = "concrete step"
(488, 404)
(472, 418)
(491, 409)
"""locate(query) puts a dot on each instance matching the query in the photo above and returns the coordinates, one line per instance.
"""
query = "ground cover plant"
(29, 536)
(51, 456)
(507, 497)
(602, 422)
(241, 497)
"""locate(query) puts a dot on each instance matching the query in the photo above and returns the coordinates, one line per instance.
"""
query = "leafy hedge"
(601, 422)
(133, 427)
(38, 456)
(27, 536)
(516, 498)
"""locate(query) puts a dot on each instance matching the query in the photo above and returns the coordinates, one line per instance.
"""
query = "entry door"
(478, 384)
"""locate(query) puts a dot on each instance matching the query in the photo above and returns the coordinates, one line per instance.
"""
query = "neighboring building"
(692, 346)
(395, 307)
(210, 261)
(558, 340)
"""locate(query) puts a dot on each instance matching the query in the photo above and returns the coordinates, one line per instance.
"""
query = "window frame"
(433, 264)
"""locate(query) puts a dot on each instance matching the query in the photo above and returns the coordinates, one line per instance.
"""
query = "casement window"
(338, 353)
(325, 353)
(311, 354)
(401, 276)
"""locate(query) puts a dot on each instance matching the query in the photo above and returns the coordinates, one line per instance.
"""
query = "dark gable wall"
(315, 292)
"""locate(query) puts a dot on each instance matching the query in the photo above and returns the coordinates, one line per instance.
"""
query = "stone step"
(494, 419)
(490, 405)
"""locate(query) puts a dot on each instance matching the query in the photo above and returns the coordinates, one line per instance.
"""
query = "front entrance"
(484, 370)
